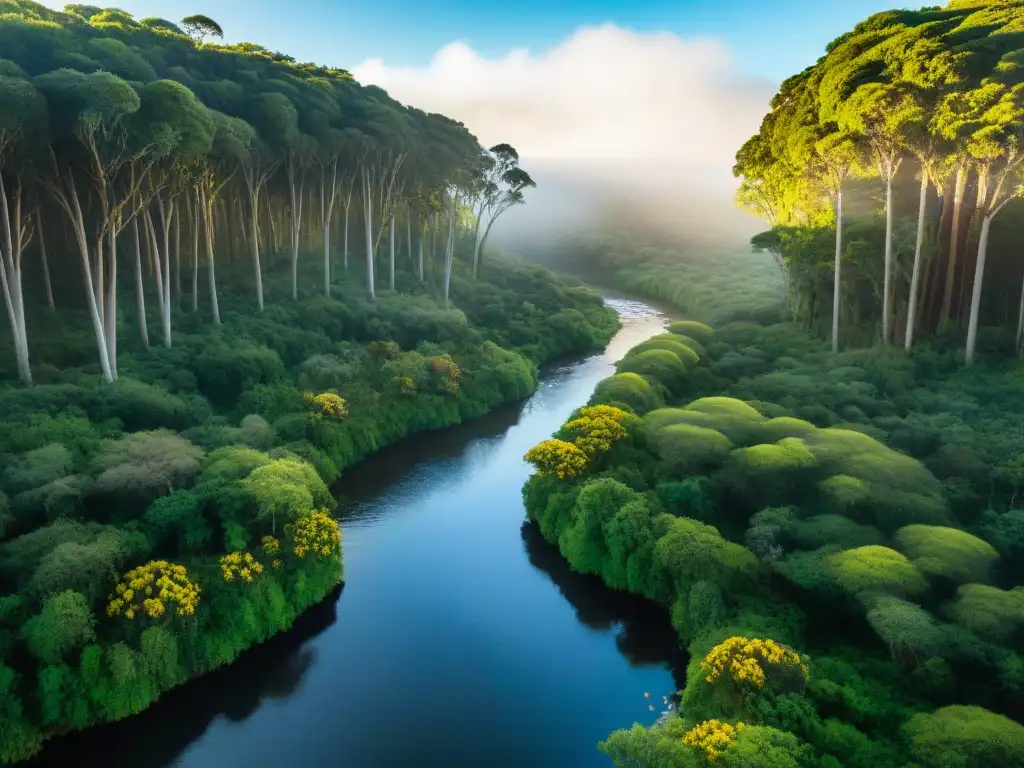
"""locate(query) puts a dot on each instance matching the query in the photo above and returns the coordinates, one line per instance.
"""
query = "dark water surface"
(460, 638)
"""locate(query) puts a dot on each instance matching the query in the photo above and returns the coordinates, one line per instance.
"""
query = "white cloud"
(609, 116)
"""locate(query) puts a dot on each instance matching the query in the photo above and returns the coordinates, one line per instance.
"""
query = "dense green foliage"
(163, 508)
(934, 93)
(861, 508)
(205, 449)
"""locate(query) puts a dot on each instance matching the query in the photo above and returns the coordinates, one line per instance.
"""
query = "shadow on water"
(645, 636)
(157, 736)
(396, 463)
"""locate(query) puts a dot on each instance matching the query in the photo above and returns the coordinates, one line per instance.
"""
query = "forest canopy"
(935, 94)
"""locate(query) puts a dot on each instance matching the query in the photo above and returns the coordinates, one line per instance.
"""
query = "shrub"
(875, 569)
(992, 613)
(662, 366)
(965, 737)
(699, 331)
(947, 552)
(630, 389)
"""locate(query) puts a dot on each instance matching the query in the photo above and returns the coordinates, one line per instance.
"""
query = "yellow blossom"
(712, 737)
(170, 583)
(328, 404)
(557, 457)
(315, 533)
(240, 565)
(748, 661)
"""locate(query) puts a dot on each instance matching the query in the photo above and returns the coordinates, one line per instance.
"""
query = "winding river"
(460, 638)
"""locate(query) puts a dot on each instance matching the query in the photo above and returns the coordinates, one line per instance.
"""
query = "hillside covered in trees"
(918, 115)
(830, 511)
(195, 352)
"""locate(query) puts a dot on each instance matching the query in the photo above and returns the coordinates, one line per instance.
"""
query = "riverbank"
(207, 465)
(451, 605)
(828, 585)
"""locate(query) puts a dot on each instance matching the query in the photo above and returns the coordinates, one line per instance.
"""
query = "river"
(460, 637)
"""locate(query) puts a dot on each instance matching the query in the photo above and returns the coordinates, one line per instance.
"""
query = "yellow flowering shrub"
(240, 566)
(712, 737)
(597, 427)
(327, 404)
(150, 589)
(444, 368)
(315, 534)
(271, 546)
(557, 457)
(406, 386)
(750, 661)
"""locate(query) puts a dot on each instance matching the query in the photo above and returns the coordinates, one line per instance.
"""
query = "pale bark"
(11, 246)
(915, 275)
(954, 236)
(449, 255)
(979, 273)
(391, 251)
(326, 213)
(207, 205)
(177, 261)
(408, 233)
(46, 263)
(195, 255)
(166, 209)
(140, 296)
(837, 283)
(476, 239)
(368, 225)
(886, 283)
(66, 194)
(110, 309)
(296, 221)
(419, 249)
(344, 244)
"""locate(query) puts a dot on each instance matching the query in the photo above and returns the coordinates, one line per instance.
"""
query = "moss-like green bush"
(946, 552)
(629, 389)
(965, 737)
(991, 613)
(875, 568)
(697, 330)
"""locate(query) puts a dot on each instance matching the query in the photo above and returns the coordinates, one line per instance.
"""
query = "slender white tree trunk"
(140, 293)
(837, 283)
(254, 200)
(344, 244)
(368, 221)
(954, 239)
(419, 249)
(391, 251)
(195, 255)
(979, 274)
(110, 313)
(74, 209)
(915, 275)
(476, 241)
(166, 219)
(10, 279)
(207, 207)
(449, 255)
(325, 216)
(408, 233)
(177, 261)
(296, 211)
(886, 283)
(46, 264)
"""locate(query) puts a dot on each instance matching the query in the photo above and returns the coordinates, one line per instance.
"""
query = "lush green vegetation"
(164, 507)
(830, 504)
(935, 94)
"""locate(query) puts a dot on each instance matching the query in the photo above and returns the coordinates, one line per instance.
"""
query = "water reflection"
(644, 634)
(503, 655)
(158, 736)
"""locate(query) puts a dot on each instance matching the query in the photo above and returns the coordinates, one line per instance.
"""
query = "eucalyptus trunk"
(915, 274)
(954, 242)
(837, 283)
(140, 291)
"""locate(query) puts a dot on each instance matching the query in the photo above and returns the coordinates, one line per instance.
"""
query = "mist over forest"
(620, 130)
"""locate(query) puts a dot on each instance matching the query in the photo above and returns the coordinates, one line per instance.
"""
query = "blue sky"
(772, 38)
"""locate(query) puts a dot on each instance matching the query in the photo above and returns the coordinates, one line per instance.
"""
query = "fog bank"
(615, 126)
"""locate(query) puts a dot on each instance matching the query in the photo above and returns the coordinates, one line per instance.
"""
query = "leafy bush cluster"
(848, 580)
(154, 529)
